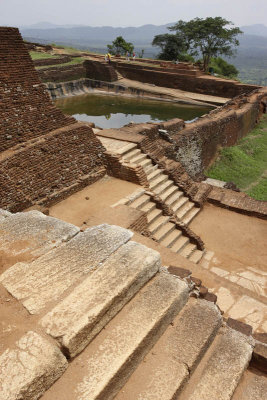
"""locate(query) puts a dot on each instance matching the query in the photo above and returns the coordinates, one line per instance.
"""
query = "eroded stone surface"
(167, 367)
(224, 367)
(30, 368)
(80, 316)
(32, 232)
(38, 283)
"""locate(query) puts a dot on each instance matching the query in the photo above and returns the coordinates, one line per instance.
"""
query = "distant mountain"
(87, 34)
(257, 29)
(251, 57)
(45, 25)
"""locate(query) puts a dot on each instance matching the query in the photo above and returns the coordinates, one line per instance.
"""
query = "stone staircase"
(130, 328)
(160, 184)
(163, 230)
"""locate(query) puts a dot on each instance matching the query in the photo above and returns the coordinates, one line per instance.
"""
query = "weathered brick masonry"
(62, 74)
(52, 61)
(184, 81)
(44, 154)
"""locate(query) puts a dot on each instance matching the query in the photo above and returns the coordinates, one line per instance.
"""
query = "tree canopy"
(120, 46)
(209, 37)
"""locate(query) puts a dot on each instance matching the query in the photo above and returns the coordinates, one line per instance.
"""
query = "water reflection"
(116, 111)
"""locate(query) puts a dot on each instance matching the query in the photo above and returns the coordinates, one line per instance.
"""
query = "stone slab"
(80, 316)
(29, 369)
(33, 233)
(43, 281)
(113, 355)
(225, 366)
(165, 370)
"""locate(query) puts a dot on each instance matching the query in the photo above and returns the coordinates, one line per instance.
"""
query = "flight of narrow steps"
(106, 321)
(164, 231)
(161, 185)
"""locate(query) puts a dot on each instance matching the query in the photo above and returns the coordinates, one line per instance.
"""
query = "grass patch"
(76, 60)
(245, 163)
(36, 55)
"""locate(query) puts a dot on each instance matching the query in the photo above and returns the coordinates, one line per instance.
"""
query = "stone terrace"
(73, 284)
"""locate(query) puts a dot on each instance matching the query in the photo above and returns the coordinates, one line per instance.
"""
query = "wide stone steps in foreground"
(160, 184)
(130, 328)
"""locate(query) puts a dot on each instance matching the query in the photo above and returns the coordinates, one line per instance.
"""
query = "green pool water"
(117, 111)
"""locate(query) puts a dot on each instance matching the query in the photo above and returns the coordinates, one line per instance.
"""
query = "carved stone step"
(173, 198)
(182, 211)
(171, 238)
(164, 231)
(168, 192)
(29, 368)
(153, 215)
(196, 256)
(188, 250)
(156, 225)
(167, 367)
(160, 189)
(126, 149)
(114, 354)
(79, 317)
(191, 214)
(223, 369)
(140, 202)
(180, 244)
(158, 180)
(44, 280)
(179, 203)
(131, 154)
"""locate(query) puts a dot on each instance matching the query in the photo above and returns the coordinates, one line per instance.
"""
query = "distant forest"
(251, 58)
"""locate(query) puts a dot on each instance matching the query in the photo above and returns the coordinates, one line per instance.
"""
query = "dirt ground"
(79, 207)
(238, 240)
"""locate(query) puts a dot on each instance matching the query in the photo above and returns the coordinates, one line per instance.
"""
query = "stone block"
(30, 368)
(80, 316)
(43, 281)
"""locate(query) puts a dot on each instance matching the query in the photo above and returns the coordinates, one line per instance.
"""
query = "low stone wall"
(52, 61)
(196, 146)
(238, 202)
(62, 74)
(198, 84)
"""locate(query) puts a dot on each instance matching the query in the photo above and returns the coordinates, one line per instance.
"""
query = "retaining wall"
(62, 74)
(52, 61)
(44, 154)
(197, 145)
(198, 84)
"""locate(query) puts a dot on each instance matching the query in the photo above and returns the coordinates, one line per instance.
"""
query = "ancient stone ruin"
(123, 304)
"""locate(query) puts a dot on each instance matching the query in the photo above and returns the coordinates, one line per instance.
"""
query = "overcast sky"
(129, 13)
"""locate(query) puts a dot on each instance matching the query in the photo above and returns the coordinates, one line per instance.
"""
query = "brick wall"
(51, 61)
(44, 154)
(62, 74)
(197, 145)
(54, 163)
(197, 84)
(26, 111)
(100, 70)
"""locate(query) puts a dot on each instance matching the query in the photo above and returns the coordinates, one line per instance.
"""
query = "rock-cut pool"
(116, 111)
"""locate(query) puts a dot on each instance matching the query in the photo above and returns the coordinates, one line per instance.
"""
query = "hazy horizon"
(122, 13)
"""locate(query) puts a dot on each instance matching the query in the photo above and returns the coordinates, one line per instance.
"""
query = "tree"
(120, 46)
(172, 46)
(222, 67)
(211, 37)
